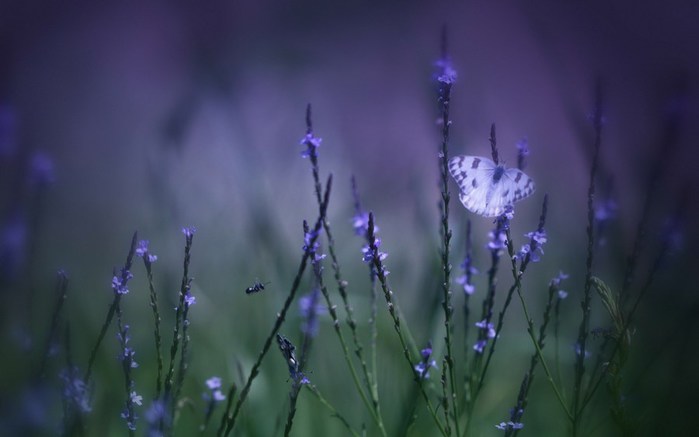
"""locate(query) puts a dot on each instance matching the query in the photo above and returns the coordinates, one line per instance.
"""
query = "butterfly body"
(487, 188)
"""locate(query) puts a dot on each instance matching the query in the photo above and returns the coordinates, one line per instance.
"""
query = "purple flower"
(214, 385)
(446, 74)
(189, 231)
(310, 308)
(368, 254)
(360, 223)
(136, 398)
(536, 242)
(142, 251)
(498, 240)
(504, 426)
(309, 237)
(189, 300)
(312, 143)
(75, 389)
(562, 294)
(119, 283)
(561, 277)
(422, 368)
(485, 326)
(154, 415)
(463, 281)
(130, 419)
(127, 353)
(479, 346)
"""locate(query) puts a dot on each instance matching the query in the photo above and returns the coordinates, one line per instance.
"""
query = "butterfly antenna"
(493, 145)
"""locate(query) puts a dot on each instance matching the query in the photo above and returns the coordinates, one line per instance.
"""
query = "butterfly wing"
(474, 176)
(520, 185)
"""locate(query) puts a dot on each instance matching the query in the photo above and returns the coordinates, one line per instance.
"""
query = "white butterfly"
(487, 188)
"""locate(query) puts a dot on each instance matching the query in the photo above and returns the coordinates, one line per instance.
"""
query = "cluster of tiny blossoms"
(142, 251)
(119, 282)
(422, 368)
(312, 143)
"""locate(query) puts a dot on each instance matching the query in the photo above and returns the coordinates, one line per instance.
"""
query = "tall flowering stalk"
(312, 143)
(118, 286)
(230, 418)
(584, 328)
(171, 385)
(446, 78)
(376, 258)
(517, 412)
(148, 259)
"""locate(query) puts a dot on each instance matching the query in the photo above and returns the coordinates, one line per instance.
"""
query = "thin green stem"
(333, 411)
(376, 260)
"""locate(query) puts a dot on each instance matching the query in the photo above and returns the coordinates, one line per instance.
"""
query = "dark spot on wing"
(476, 162)
(505, 193)
(519, 176)
(474, 183)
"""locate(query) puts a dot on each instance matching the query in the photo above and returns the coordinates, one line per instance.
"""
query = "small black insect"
(256, 287)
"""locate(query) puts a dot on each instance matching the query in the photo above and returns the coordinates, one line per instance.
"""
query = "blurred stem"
(333, 411)
(530, 329)
(373, 409)
(583, 330)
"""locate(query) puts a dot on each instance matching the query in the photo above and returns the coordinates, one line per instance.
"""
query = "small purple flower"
(561, 277)
(136, 398)
(127, 354)
(368, 256)
(308, 237)
(485, 326)
(75, 390)
(480, 346)
(154, 415)
(119, 283)
(422, 368)
(446, 73)
(142, 251)
(360, 223)
(189, 231)
(312, 143)
(189, 300)
(562, 294)
(498, 240)
(463, 281)
(536, 242)
(214, 385)
(310, 307)
(130, 419)
(504, 426)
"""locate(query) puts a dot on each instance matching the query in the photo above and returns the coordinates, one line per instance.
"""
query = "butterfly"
(487, 188)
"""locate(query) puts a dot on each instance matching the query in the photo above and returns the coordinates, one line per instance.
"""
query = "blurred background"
(124, 117)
